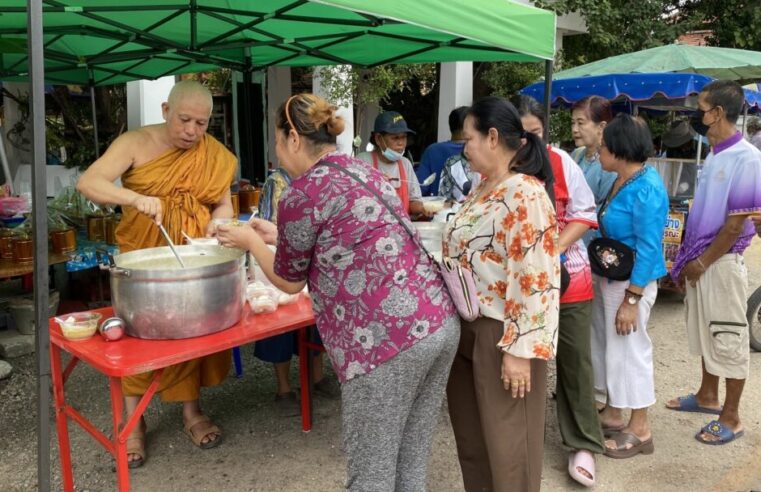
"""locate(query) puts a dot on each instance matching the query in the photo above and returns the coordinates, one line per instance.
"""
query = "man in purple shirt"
(710, 265)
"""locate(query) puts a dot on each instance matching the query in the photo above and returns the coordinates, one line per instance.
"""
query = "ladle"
(171, 244)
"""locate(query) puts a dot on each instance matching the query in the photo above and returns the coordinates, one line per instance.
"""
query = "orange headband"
(288, 114)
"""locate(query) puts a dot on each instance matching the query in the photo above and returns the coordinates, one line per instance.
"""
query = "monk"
(177, 175)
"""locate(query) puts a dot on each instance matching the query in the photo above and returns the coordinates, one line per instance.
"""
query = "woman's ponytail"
(533, 159)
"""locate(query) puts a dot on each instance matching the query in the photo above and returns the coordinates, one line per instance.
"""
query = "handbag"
(608, 257)
(458, 280)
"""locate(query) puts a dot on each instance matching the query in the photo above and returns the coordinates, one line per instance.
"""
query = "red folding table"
(130, 356)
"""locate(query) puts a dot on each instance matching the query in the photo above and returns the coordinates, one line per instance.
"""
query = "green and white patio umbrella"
(719, 63)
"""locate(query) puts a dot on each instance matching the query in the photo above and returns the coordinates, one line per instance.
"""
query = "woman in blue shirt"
(634, 213)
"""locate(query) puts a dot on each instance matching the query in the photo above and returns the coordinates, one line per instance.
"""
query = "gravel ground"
(262, 452)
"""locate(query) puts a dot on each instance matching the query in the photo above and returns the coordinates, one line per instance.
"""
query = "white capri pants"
(623, 365)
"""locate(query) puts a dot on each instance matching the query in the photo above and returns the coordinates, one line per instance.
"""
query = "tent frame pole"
(40, 228)
(94, 115)
(547, 97)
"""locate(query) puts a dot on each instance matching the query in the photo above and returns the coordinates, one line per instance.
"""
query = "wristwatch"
(631, 298)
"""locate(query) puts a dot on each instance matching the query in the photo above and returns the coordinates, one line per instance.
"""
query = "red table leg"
(61, 421)
(120, 445)
(306, 407)
(122, 432)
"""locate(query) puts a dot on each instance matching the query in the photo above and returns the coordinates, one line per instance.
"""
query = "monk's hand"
(236, 236)
(266, 230)
(150, 206)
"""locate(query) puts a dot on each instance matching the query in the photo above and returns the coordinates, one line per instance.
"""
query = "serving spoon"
(171, 245)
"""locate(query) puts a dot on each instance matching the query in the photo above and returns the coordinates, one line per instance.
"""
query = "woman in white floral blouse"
(506, 234)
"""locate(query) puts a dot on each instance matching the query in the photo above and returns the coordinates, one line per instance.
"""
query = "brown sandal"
(201, 427)
(136, 445)
(621, 450)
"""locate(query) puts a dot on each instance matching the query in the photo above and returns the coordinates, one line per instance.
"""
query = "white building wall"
(278, 91)
(144, 98)
(456, 90)
(344, 141)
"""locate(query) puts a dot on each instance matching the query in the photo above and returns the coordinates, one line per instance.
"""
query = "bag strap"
(612, 195)
(379, 197)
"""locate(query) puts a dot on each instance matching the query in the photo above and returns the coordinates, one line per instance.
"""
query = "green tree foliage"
(732, 23)
(619, 26)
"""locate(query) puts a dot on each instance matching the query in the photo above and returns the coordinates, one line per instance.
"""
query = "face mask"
(392, 155)
(696, 122)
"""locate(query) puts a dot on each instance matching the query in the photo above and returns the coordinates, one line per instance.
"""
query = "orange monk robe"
(189, 183)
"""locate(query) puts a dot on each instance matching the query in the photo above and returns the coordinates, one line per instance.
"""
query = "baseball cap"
(391, 122)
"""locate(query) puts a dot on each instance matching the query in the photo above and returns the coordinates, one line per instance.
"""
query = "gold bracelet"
(701, 263)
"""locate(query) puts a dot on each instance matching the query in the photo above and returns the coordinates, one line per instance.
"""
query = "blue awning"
(665, 90)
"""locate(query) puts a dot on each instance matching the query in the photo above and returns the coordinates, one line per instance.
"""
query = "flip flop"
(637, 446)
(689, 403)
(585, 460)
(716, 428)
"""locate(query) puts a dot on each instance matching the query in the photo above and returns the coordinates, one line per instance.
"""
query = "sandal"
(690, 403)
(200, 427)
(622, 451)
(136, 445)
(586, 461)
(610, 431)
(722, 433)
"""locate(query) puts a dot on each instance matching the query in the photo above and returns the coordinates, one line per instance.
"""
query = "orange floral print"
(542, 351)
(499, 288)
(526, 282)
(516, 249)
(549, 243)
(509, 220)
(542, 281)
(510, 244)
(510, 335)
(522, 213)
(528, 233)
(491, 255)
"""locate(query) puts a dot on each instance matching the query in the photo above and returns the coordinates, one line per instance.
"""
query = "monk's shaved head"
(187, 113)
(187, 90)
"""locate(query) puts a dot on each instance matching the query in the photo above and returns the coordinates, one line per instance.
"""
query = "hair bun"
(335, 125)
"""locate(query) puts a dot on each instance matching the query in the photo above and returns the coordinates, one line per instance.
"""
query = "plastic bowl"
(78, 326)
(433, 204)
(204, 241)
(219, 222)
(12, 205)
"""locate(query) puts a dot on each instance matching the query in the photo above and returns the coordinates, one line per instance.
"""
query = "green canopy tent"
(719, 63)
(110, 41)
(95, 42)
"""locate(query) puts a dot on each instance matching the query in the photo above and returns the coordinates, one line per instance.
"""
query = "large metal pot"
(160, 300)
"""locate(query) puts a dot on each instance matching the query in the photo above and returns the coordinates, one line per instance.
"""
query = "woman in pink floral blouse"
(506, 234)
(383, 313)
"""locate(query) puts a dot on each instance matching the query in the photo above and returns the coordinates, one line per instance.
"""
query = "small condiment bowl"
(78, 326)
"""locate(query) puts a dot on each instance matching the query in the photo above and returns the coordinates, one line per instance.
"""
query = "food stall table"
(10, 269)
(130, 356)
